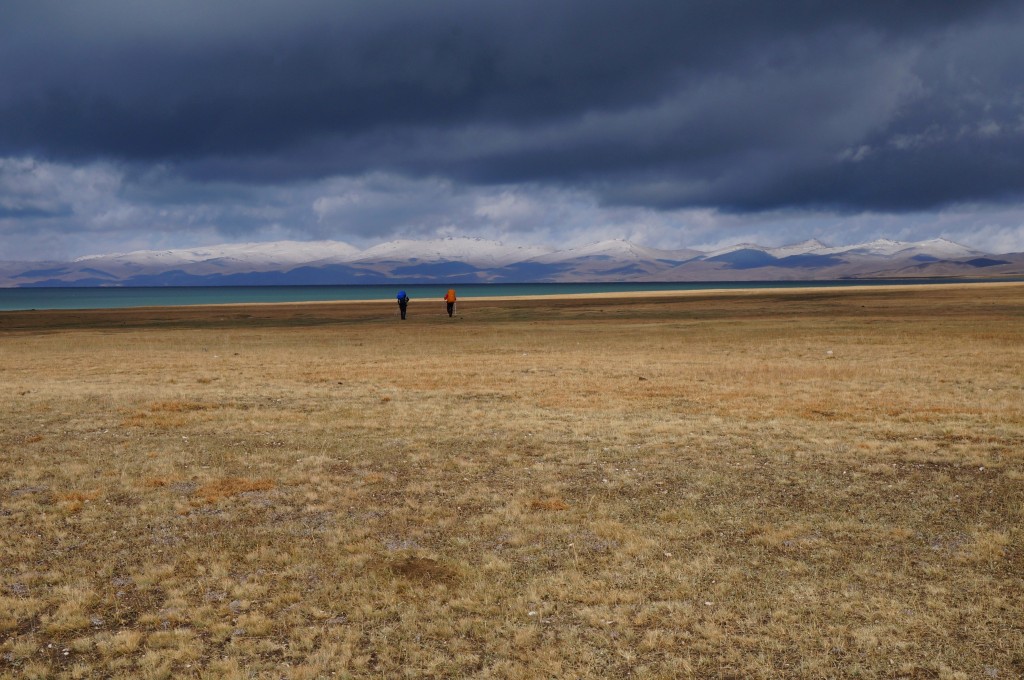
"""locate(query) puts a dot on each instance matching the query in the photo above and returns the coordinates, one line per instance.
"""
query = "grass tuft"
(227, 487)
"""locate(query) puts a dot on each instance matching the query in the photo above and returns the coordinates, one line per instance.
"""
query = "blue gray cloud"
(231, 116)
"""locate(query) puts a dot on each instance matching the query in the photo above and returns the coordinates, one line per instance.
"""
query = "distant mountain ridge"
(474, 260)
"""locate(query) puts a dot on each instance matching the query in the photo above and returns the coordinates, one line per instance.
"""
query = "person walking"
(450, 299)
(403, 302)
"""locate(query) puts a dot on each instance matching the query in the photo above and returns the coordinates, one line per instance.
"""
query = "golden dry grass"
(804, 484)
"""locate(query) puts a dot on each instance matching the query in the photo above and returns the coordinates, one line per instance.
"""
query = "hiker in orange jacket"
(449, 297)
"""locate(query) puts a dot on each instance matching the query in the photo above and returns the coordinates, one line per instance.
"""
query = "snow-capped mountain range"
(474, 260)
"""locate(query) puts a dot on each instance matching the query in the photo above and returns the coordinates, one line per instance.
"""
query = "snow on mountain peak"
(618, 249)
(612, 247)
(733, 248)
(883, 246)
(283, 252)
(943, 249)
(810, 246)
(475, 251)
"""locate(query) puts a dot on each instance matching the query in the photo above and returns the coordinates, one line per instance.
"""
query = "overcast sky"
(127, 125)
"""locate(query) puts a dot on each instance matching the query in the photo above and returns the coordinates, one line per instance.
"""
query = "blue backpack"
(401, 295)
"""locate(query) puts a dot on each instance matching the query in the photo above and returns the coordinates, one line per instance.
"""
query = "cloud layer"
(363, 120)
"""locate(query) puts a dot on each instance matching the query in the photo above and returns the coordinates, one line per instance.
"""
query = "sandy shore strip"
(781, 290)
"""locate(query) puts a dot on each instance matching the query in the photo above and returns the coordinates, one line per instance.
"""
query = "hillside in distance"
(474, 260)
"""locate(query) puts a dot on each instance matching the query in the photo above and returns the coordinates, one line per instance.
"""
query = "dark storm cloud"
(740, 105)
(31, 212)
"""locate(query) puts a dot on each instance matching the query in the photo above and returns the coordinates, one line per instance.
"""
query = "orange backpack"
(450, 297)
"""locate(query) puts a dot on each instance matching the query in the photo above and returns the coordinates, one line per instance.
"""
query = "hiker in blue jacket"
(403, 302)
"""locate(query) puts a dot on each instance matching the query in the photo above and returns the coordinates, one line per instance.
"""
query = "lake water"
(111, 298)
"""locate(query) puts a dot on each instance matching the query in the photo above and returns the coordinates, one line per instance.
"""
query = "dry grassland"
(802, 484)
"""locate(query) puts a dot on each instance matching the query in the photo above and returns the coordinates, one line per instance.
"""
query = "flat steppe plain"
(775, 484)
